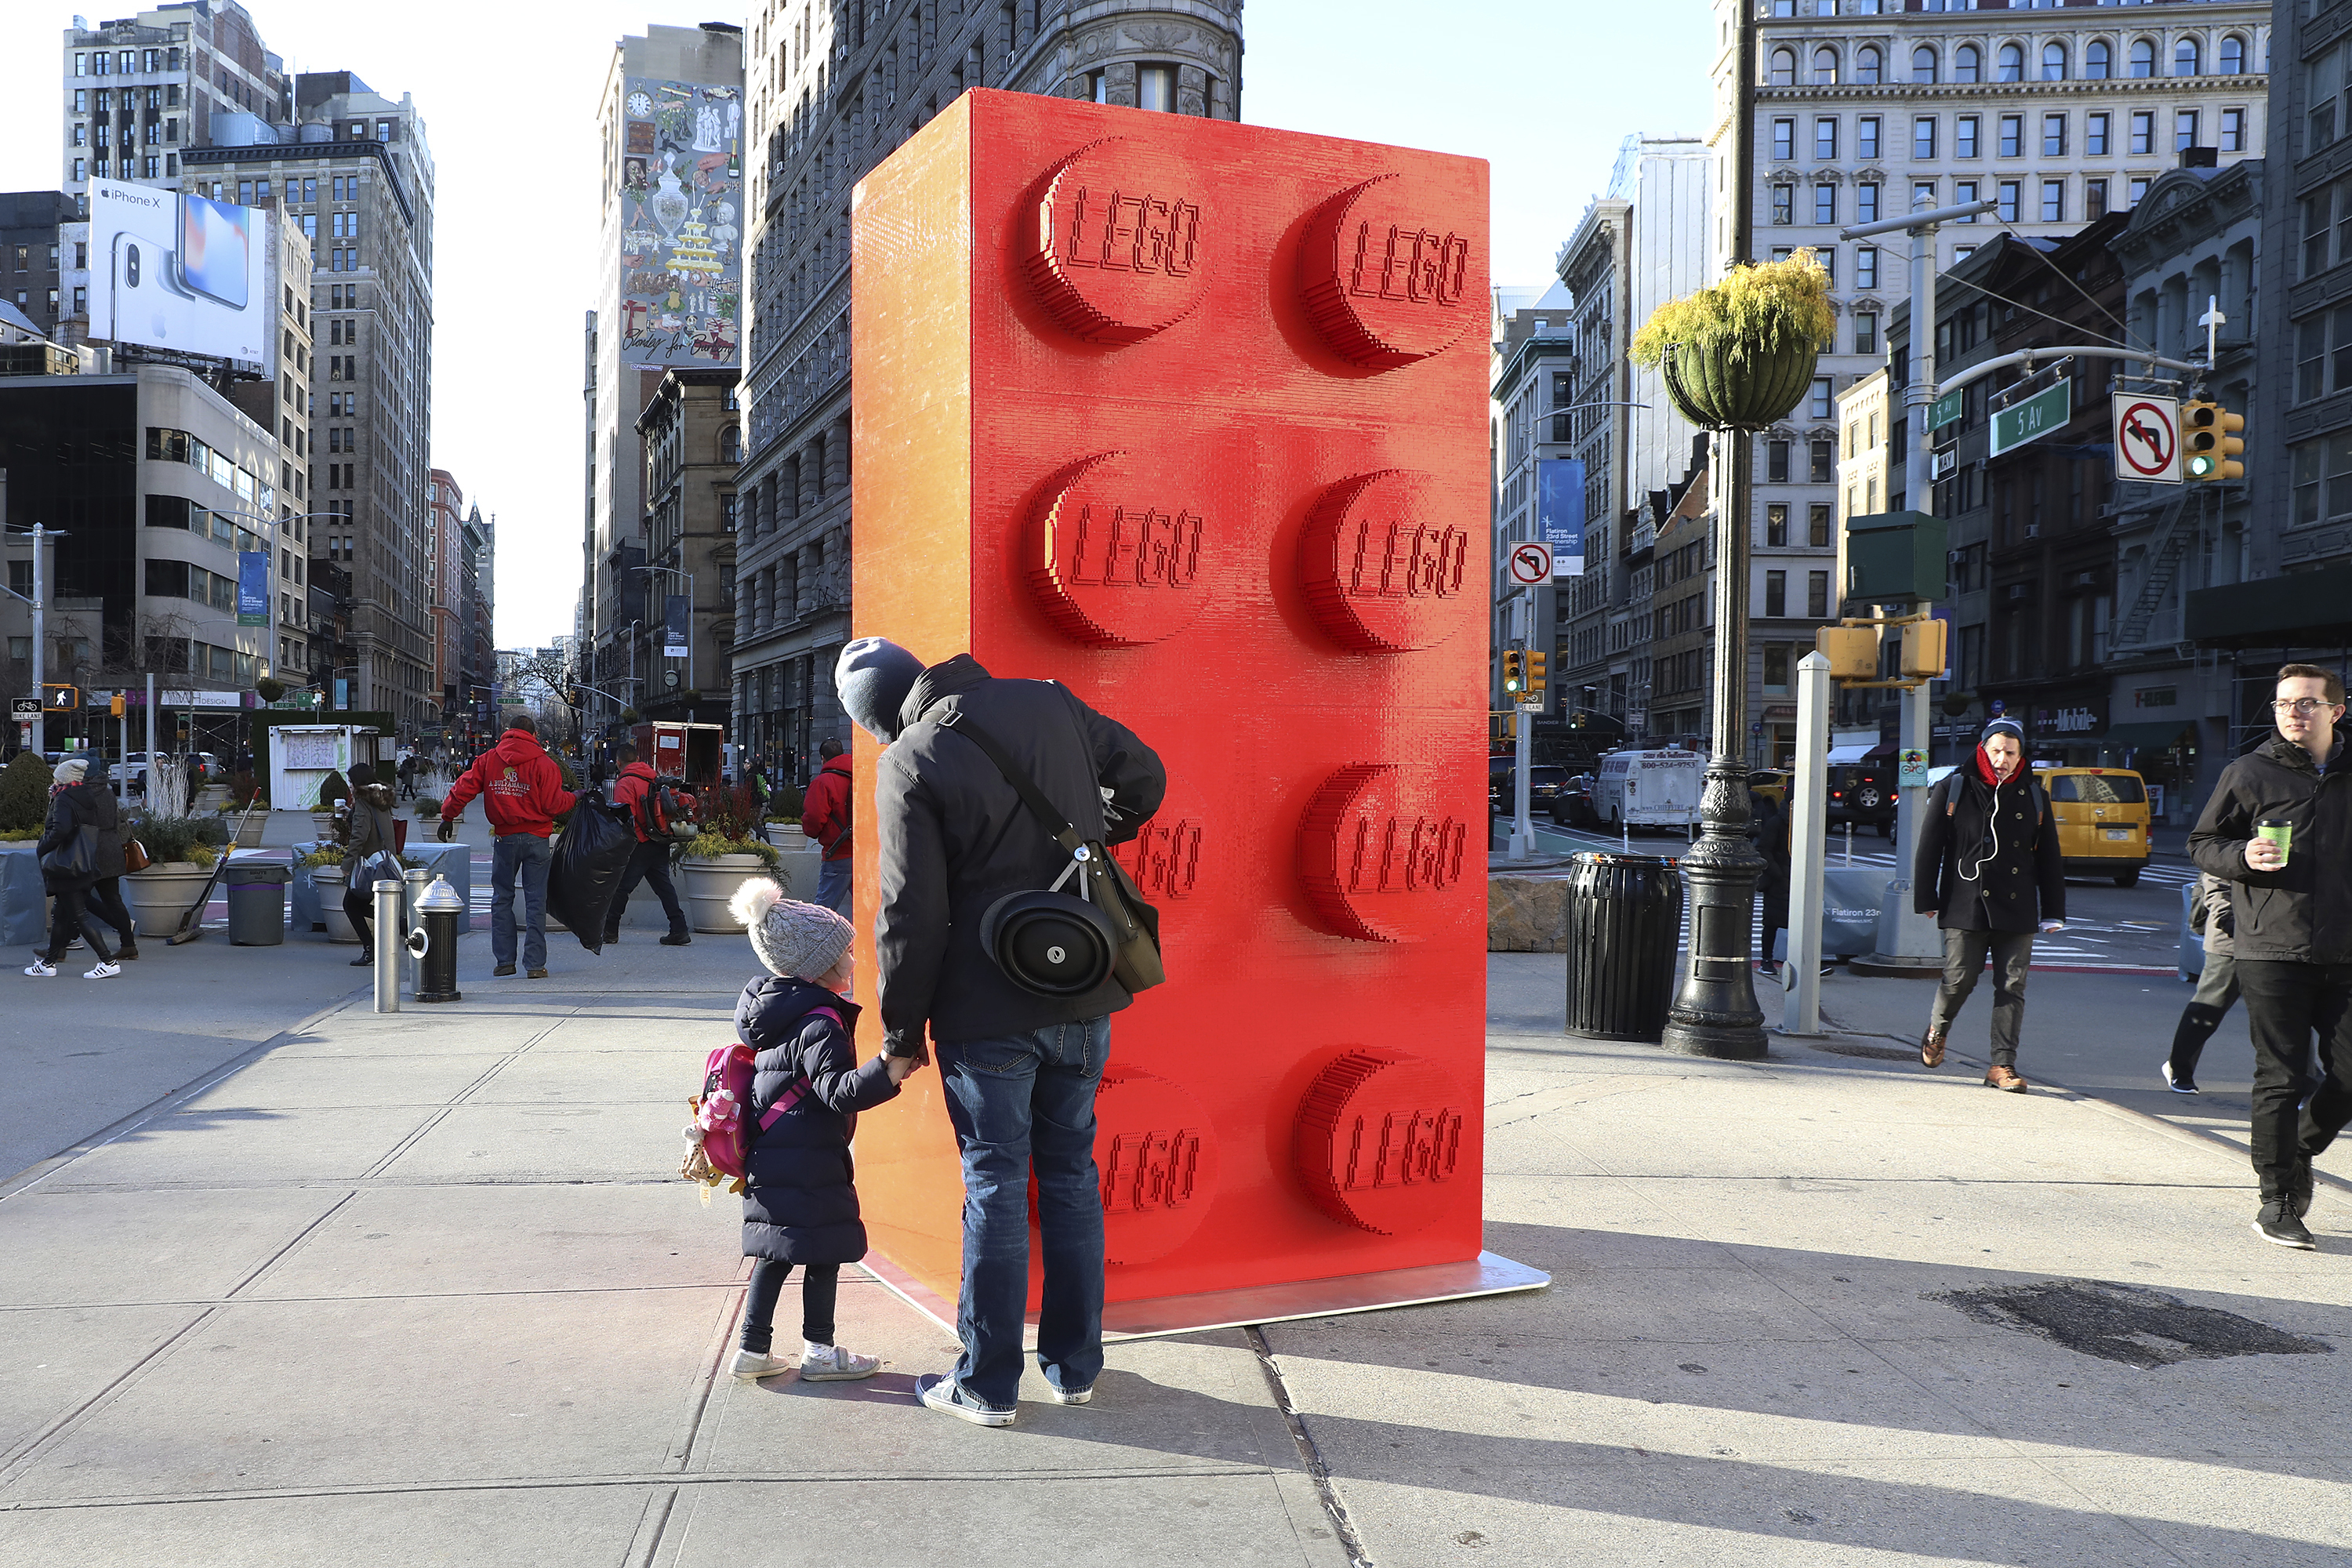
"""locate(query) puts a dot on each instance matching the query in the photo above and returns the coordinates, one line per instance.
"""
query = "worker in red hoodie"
(649, 861)
(825, 817)
(522, 793)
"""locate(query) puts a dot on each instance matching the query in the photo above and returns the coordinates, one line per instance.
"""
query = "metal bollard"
(1849, 845)
(416, 879)
(437, 913)
(388, 946)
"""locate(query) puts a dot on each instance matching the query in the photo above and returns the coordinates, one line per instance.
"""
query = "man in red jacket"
(522, 793)
(825, 817)
(649, 862)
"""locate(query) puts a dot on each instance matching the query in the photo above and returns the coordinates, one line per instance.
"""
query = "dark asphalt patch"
(2125, 1323)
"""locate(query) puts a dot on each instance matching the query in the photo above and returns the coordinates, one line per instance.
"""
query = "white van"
(1649, 789)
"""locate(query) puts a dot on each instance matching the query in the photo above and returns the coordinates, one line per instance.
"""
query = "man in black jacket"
(1019, 1070)
(2279, 830)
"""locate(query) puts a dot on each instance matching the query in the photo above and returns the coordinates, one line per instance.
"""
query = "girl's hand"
(899, 1067)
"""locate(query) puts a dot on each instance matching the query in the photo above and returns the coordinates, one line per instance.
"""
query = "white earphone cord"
(1978, 875)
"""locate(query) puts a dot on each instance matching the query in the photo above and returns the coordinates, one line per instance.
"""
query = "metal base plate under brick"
(1486, 1275)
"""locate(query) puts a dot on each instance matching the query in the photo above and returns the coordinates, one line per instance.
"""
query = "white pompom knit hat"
(796, 940)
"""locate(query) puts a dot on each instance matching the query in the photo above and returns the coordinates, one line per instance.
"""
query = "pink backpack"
(718, 1143)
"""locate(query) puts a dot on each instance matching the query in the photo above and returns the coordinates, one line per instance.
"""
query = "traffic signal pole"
(41, 644)
(1523, 831)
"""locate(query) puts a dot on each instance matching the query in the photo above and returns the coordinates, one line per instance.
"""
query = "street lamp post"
(689, 576)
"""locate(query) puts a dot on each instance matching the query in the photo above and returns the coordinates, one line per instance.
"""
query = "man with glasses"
(2279, 830)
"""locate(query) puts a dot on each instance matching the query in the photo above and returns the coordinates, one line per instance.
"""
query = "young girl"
(801, 1202)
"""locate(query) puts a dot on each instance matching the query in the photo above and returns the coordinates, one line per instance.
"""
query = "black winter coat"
(111, 831)
(2302, 912)
(71, 809)
(800, 1205)
(954, 838)
(2012, 848)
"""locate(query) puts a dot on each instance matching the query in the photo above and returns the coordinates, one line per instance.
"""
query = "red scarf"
(1986, 772)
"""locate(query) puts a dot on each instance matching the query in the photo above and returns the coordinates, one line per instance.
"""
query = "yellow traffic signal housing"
(116, 705)
(1535, 659)
(1924, 648)
(1514, 677)
(1853, 651)
(57, 697)
(2211, 443)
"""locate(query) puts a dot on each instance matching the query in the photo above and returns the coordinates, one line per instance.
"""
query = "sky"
(1545, 91)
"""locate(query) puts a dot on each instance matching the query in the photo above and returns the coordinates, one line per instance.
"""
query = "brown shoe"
(2003, 1078)
(541, 974)
(1931, 1047)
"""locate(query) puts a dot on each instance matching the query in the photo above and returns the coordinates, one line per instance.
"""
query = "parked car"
(1864, 794)
(1572, 806)
(1770, 784)
(1543, 783)
(2102, 820)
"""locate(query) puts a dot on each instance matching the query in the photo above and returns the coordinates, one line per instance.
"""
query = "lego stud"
(1114, 241)
(1115, 549)
(1383, 282)
(1383, 574)
(1378, 1141)
(1158, 1156)
(1377, 855)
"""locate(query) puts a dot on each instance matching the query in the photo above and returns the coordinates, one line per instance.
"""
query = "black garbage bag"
(590, 857)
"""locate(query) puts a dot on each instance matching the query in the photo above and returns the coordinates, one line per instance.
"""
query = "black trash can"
(257, 902)
(1623, 913)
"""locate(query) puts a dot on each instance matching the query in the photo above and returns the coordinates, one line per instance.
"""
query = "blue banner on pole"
(1560, 512)
(253, 587)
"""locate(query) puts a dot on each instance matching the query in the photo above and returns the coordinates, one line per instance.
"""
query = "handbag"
(383, 866)
(74, 860)
(135, 856)
(1028, 935)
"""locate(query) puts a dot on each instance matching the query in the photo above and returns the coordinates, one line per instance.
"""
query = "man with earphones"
(1989, 869)
(2278, 829)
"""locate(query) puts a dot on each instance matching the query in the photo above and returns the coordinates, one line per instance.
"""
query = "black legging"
(106, 902)
(357, 908)
(72, 914)
(819, 1284)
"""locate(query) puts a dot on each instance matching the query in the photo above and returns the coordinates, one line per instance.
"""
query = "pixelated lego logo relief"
(1117, 241)
(1383, 285)
(1419, 265)
(1164, 857)
(1157, 1153)
(1379, 577)
(1403, 855)
(1119, 548)
(1401, 1148)
(1378, 1139)
(1150, 1170)
(1406, 560)
(1372, 858)
(1134, 231)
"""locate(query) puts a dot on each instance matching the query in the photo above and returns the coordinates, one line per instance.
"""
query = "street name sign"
(1946, 408)
(2032, 417)
(2147, 438)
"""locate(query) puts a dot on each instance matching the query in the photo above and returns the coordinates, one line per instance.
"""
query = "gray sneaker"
(1070, 1395)
(943, 1394)
(753, 1365)
(831, 1363)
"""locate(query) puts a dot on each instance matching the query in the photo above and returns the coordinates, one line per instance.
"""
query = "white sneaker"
(831, 1363)
(753, 1365)
(105, 970)
(41, 968)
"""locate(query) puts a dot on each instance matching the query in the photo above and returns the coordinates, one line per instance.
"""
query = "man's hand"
(449, 826)
(2262, 855)
(2047, 926)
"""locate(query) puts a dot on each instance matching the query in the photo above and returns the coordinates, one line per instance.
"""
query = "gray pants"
(1964, 957)
(2217, 992)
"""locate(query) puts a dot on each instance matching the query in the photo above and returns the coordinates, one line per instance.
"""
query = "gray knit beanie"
(796, 940)
(872, 679)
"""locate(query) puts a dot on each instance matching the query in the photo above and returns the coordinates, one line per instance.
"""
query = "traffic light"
(58, 698)
(1924, 649)
(115, 705)
(1515, 679)
(1535, 659)
(2211, 443)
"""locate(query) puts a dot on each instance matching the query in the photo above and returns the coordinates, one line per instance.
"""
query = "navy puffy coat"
(801, 1202)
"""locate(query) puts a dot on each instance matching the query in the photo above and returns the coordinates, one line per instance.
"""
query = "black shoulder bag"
(1054, 943)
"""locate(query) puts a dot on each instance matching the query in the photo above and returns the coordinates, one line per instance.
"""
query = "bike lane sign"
(2147, 438)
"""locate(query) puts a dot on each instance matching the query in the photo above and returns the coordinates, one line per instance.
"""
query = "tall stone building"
(833, 88)
(352, 171)
(692, 436)
(670, 253)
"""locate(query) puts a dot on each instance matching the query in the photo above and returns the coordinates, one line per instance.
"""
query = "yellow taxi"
(2102, 820)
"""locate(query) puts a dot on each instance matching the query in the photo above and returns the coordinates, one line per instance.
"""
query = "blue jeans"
(528, 855)
(833, 884)
(1019, 1102)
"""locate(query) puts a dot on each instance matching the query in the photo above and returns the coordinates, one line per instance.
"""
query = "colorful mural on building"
(682, 223)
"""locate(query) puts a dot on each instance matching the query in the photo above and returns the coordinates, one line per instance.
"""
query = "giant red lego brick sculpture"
(1191, 416)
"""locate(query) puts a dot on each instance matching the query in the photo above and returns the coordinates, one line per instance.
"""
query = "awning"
(2296, 609)
(2155, 735)
(1851, 753)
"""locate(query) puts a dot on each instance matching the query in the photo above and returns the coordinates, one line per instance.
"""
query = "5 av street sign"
(2033, 418)
(2147, 438)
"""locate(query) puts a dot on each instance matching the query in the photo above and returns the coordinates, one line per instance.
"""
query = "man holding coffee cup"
(2279, 830)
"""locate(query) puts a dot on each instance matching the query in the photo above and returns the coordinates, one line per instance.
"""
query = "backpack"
(661, 814)
(719, 1145)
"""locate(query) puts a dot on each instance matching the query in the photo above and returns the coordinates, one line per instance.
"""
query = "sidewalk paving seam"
(20, 1459)
(440, 1115)
(1326, 1491)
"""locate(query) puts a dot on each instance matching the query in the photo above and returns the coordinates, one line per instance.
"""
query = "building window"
(2053, 201)
(2138, 188)
(1776, 462)
(1156, 89)
(1868, 65)
(1968, 64)
(1866, 332)
(2234, 131)
(1865, 137)
(1817, 594)
(2007, 197)
(1923, 195)
(2143, 131)
(2094, 135)
(2184, 129)
(1963, 192)
(1923, 139)
(2187, 60)
(1776, 593)
(1784, 204)
(2053, 136)
(1825, 70)
(2143, 57)
(1784, 139)
(1825, 138)
(1865, 202)
(1964, 136)
(2230, 59)
(2054, 62)
(1824, 462)
(1776, 526)
(1817, 527)
(2094, 199)
(1820, 407)
(1825, 204)
(1923, 64)
(2012, 135)
(1783, 68)
(2097, 60)
(2010, 64)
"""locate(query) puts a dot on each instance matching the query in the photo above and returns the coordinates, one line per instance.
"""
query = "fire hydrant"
(437, 968)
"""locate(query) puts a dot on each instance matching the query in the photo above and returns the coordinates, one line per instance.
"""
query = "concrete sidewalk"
(418, 1290)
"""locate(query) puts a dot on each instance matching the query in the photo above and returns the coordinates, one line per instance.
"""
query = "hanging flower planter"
(1740, 354)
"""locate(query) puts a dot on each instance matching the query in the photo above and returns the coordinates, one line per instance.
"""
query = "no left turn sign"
(1531, 564)
(2147, 438)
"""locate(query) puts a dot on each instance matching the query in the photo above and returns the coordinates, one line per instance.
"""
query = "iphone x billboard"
(176, 270)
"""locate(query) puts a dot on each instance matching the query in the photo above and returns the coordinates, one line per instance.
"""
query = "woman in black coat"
(71, 808)
(105, 897)
(1989, 869)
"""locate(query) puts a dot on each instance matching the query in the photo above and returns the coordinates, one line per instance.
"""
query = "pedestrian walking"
(365, 829)
(1019, 1070)
(1988, 867)
(408, 775)
(69, 857)
(757, 779)
(1772, 886)
(825, 818)
(649, 861)
(2278, 829)
(800, 1198)
(522, 793)
(105, 893)
(2217, 984)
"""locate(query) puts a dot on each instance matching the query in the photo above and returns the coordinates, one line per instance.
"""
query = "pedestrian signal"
(2210, 439)
(55, 696)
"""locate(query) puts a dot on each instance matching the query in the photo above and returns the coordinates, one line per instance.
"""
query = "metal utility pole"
(1808, 846)
(1523, 831)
